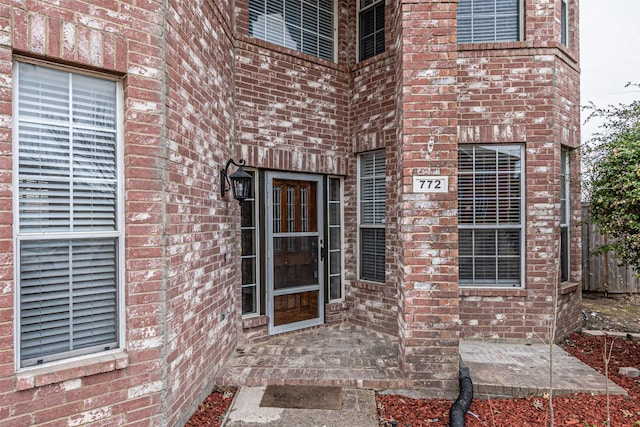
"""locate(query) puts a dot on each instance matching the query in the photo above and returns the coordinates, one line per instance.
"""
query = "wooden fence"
(601, 273)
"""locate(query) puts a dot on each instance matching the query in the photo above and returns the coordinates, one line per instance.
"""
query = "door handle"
(321, 250)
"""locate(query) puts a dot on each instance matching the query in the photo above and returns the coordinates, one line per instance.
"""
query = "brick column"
(427, 222)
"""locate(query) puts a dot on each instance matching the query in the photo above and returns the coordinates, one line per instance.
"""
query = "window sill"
(254, 322)
(371, 286)
(524, 44)
(492, 292)
(263, 44)
(568, 287)
(58, 372)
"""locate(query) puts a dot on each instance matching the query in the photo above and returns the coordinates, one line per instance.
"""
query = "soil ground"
(615, 312)
(609, 313)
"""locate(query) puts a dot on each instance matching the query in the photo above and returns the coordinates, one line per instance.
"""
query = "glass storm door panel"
(294, 252)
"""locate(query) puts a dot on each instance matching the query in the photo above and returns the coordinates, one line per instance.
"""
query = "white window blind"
(304, 25)
(490, 215)
(67, 213)
(488, 21)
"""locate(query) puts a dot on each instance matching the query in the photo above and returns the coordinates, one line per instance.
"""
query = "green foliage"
(614, 172)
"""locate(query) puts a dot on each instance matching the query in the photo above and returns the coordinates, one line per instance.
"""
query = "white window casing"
(565, 215)
(250, 246)
(485, 21)
(335, 242)
(491, 215)
(303, 25)
(68, 199)
(371, 215)
(371, 28)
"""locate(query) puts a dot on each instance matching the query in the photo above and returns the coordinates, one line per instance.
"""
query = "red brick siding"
(121, 38)
(526, 93)
(427, 222)
(292, 113)
(291, 110)
(202, 249)
(373, 127)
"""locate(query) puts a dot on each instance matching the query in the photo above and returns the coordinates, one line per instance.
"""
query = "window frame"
(521, 226)
(334, 33)
(520, 37)
(372, 5)
(565, 216)
(370, 226)
(118, 234)
(257, 285)
(340, 226)
(564, 22)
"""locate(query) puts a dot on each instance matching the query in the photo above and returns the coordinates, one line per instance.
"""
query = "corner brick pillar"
(427, 221)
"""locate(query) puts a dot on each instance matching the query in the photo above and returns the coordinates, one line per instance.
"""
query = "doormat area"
(302, 397)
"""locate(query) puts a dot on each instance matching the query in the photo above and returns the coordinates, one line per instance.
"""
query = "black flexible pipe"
(463, 402)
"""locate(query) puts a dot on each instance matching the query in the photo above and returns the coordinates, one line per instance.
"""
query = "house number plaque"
(430, 184)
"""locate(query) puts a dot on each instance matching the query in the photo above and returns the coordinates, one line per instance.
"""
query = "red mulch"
(581, 410)
(573, 410)
(211, 412)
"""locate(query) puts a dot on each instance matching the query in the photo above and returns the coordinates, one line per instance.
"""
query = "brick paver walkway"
(343, 355)
(351, 356)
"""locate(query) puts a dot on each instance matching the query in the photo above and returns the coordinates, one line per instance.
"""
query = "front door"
(295, 251)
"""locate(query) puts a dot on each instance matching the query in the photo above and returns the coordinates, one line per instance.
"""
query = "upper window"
(490, 216)
(371, 34)
(564, 23)
(372, 215)
(488, 20)
(68, 228)
(304, 25)
(565, 209)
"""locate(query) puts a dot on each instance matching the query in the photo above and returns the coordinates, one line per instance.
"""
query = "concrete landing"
(521, 370)
(358, 410)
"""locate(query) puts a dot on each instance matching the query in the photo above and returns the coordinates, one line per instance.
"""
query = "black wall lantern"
(239, 181)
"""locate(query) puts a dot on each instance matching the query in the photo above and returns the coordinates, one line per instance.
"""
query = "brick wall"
(292, 114)
(180, 238)
(427, 222)
(527, 93)
(373, 127)
(123, 39)
(196, 95)
(202, 228)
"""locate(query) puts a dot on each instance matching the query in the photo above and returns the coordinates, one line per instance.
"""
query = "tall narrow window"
(304, 25)
(490, 215)
(565, 209)
(371, 34)
(372, 216)
(564, 23)
(488, 20)
(335, 239)
(68, 227)
(249, 257)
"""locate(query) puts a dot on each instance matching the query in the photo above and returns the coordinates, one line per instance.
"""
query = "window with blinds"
(489, 20)
(372, 194)
(490, 215)
(303, 25)
(371, 28)
(68, 231)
